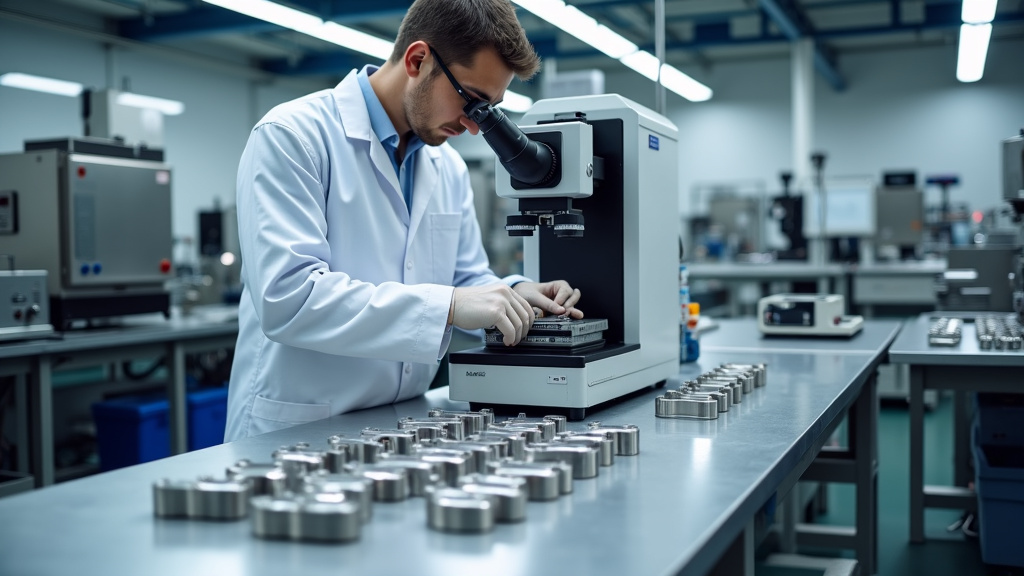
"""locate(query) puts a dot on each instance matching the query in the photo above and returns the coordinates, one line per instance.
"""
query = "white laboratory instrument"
(806, 315)
(618, 165)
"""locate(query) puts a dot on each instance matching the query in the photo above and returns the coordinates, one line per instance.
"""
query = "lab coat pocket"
(444, 241)
(269, 415)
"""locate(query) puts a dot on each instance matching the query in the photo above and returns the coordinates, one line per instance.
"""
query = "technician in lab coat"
(360, 244)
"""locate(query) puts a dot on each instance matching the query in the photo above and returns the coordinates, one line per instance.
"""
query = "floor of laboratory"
(945, 553)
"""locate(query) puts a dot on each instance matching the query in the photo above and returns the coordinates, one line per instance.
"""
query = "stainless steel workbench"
(32, 363)
(964, 368)
(681, 506)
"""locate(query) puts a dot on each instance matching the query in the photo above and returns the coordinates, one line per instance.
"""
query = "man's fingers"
(523, 309)
(508, 330)
(564, 292)
(572, 299)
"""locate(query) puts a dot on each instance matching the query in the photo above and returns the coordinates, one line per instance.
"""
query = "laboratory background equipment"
(96, 216)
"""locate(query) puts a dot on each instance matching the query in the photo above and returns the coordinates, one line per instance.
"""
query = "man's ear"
(415, 55)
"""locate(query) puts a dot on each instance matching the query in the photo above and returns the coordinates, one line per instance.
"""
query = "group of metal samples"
(945, 332)
(711, 393)
(1000, 333)
(471, 471)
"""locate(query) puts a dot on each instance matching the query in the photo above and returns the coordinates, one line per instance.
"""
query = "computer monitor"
(849, 209)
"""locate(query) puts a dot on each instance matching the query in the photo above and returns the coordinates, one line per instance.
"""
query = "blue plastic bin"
(136, 429)
(207, 416)
(131, 430)
(999, 482)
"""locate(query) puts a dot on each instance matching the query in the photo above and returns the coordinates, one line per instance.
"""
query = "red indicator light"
(81, 171)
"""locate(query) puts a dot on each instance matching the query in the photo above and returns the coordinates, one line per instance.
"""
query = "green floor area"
(944, 553)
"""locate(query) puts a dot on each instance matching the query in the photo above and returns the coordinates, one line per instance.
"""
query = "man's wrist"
(451, 310)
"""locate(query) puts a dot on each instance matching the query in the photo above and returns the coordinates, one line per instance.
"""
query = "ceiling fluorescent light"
(350, 37)
(40, 84)
(572, 21)
(644, 63)
(168, 107)
(978, 11)
(970, 62)
(683, 85)
(309, 24)
(271, 12)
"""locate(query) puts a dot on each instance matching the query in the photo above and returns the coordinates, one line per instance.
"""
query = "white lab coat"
(346, 293)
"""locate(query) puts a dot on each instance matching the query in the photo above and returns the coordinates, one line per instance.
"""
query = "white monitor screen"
(849, 209)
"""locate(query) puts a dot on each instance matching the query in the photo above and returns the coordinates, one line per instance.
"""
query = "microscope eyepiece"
(526, 160)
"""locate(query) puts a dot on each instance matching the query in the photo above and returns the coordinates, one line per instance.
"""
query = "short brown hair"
(459, 29)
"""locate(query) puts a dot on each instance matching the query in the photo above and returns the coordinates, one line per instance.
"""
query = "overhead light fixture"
(643, 62)
(680, 83)
(168, 107)
(975, 33)
(575, 23)
(40, 84)
(970, 62)
(978, 11)
(335, 33)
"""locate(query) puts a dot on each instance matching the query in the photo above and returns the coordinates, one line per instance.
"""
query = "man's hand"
(556, 298)
(493, 305)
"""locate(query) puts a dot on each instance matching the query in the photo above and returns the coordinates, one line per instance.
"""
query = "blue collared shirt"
(385, 131)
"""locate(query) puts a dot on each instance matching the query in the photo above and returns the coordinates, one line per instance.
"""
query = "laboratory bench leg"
(963, 380)
(42, 421)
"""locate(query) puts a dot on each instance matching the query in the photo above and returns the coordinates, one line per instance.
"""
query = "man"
(359, 240)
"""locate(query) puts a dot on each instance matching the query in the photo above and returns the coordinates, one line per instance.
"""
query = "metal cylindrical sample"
(605, 445)
(723, 398)
(582, 458)
(565, 475)
(335, 458)
(543, 483)
(170, 498)
(272, 516)
(528, 431)
(693, 407)
(454, 510)
(472, 422)
(561, 422)
(362, 450)
(296, 467)
(265, 478)
(508, 494)
(985, 341)
(391, 485)
(454, 463)
(627, 436)
(730, 386)
(516, 441)
(760, 372)
(356, 489)
(481, 453)
(453, 427)
(422, 474)
(394, 441)
(746, 379)
(547, 426)
(212, 499)
(327, 519)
